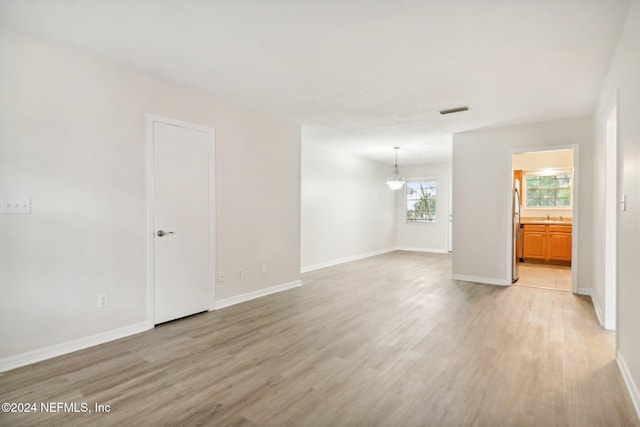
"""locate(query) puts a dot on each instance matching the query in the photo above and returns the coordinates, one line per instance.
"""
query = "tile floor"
(545, 276)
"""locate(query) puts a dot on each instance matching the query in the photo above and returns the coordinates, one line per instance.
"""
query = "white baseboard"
(480, 279)
(41, 354)
(433, 251)
(585, 291)
(598, 310)
(256, 294)
(318, 266)
(628, 380)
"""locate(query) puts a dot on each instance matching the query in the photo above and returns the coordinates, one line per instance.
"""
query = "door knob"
(163, 233)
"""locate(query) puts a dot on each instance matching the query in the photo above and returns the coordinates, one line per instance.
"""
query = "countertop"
(545, 221)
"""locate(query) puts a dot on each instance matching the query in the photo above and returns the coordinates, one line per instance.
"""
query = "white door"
(181, 221)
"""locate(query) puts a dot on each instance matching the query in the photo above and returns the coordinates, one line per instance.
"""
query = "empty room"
(319, 213)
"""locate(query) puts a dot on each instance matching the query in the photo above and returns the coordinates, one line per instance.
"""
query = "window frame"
(431, 178)
(546, 172)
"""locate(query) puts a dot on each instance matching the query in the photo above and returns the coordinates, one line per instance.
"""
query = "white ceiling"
(365, 75)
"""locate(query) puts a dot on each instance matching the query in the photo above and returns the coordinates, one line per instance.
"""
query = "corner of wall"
(632, 387)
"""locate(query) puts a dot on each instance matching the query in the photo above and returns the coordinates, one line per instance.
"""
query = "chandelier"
(395, 181)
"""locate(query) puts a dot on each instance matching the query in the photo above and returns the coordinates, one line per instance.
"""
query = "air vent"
(454, 110)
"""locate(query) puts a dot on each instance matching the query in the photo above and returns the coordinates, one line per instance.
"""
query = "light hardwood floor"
(385, 341)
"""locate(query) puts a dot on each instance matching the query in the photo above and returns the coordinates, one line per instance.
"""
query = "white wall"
(622, 78)
(429, 237)
(556, 159)
(347, 208)
(561, 159)
(72, 138)
(482, 200)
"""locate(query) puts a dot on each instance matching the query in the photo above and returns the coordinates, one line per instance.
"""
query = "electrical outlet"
(239, 273)
(264, 268)
(16, 206)
(220, 276)
(103, 301)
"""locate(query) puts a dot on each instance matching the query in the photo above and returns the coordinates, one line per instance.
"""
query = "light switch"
(16, 206)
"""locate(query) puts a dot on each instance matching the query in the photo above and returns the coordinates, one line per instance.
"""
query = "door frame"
(151, 119)
(450, 216)
(611, 144)
(576, 211)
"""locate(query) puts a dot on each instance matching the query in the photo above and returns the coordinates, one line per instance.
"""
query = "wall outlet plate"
(16, 206)
(103, 301)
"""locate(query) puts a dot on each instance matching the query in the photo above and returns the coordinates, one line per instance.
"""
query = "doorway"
(180, 219)
(544, 218)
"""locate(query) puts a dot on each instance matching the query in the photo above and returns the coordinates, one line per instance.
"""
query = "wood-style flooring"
(385, 341)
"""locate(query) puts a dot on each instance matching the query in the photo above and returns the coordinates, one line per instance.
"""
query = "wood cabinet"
(535, 242)
(559, 237)
(547, 242)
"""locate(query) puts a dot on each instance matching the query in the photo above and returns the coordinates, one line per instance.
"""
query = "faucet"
(561, 218)
(548, 217)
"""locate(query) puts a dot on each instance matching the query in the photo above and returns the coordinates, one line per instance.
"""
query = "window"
(421, 200)
(548, 189)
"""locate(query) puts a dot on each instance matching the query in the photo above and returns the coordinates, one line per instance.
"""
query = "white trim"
(256, 294)
(585, 291)
(480, 279)
(575, 203)
(150, 224)
(318, 266)
(150, 120)
(575, 227)
(596, 306)
(212, 217)
(628, 380)
(55, 350)
(430, 250)
(611, 214)
(450, 213)
(179, 123)
(421, 178)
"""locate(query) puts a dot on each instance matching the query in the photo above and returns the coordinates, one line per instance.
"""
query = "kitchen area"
(543, 219)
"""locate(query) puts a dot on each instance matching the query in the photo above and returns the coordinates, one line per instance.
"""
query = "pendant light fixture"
(395, 182)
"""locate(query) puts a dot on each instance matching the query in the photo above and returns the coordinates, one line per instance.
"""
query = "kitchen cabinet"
(559, 237)
(534, 243)
(547, 242)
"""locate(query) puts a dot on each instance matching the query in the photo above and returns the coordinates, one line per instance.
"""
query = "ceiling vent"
(454, 110)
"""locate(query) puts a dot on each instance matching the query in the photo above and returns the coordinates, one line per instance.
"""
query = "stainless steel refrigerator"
(516, 231)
